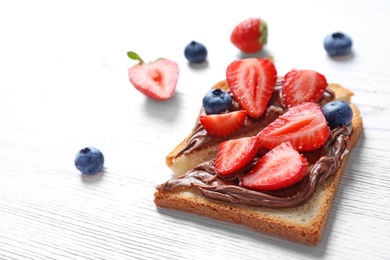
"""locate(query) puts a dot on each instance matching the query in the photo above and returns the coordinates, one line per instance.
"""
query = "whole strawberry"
(156, 79)
(250, 35)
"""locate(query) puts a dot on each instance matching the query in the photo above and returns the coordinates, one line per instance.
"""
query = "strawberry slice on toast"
(221, 125)
(252, 82)
(281, 167)
(234, 154)
(303, 125)
(300, 86)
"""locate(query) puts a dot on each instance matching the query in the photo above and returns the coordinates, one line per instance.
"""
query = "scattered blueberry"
(195, 52)
(216, 101)
(338, 44)
(337, 113)
(89, 160)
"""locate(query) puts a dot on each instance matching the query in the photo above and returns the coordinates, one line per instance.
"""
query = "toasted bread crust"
(304, 223)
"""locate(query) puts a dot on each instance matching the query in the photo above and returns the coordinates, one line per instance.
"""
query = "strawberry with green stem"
(156, 79)
(250, 35)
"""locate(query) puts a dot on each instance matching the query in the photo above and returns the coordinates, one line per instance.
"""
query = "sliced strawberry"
(156, 80)
(221, 125)
(300, 86)
(250, 35)
(281, 167)
(234, 154)
(304, 126)
(252, 82)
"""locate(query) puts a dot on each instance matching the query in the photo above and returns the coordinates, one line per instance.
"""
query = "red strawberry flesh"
(304, 126)
(156, 80)
(252, 82)
(281, 167)
(234, 154)
(222, 125)
(300, 86)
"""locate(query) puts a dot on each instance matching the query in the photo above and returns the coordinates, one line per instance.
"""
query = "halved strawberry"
(156, 79)
(300, 86)
(234, 154)
(252, 82)
(304, 126)
(250, 35)
(221, 125)
(281, 167)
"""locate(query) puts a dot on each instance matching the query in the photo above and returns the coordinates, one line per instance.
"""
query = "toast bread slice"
(303, 223)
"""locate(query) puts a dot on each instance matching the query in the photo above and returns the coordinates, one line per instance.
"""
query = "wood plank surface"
(64, 86)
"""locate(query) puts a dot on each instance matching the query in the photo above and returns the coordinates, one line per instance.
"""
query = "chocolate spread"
(323, 163)
(199, 137)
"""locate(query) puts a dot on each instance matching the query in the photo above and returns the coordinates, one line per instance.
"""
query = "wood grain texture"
(64, 86)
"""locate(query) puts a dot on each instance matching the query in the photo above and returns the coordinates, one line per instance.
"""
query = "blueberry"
(216, 101)
(89, 160)
(337, 113)
(338, 44)
(195, 52)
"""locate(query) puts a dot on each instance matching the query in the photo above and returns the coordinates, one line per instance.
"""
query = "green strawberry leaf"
(134, 56)
(263, 31)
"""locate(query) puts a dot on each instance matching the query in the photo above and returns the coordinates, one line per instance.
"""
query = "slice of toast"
(302, 223)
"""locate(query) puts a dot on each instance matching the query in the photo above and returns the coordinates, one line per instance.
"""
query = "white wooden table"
(64, 86)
